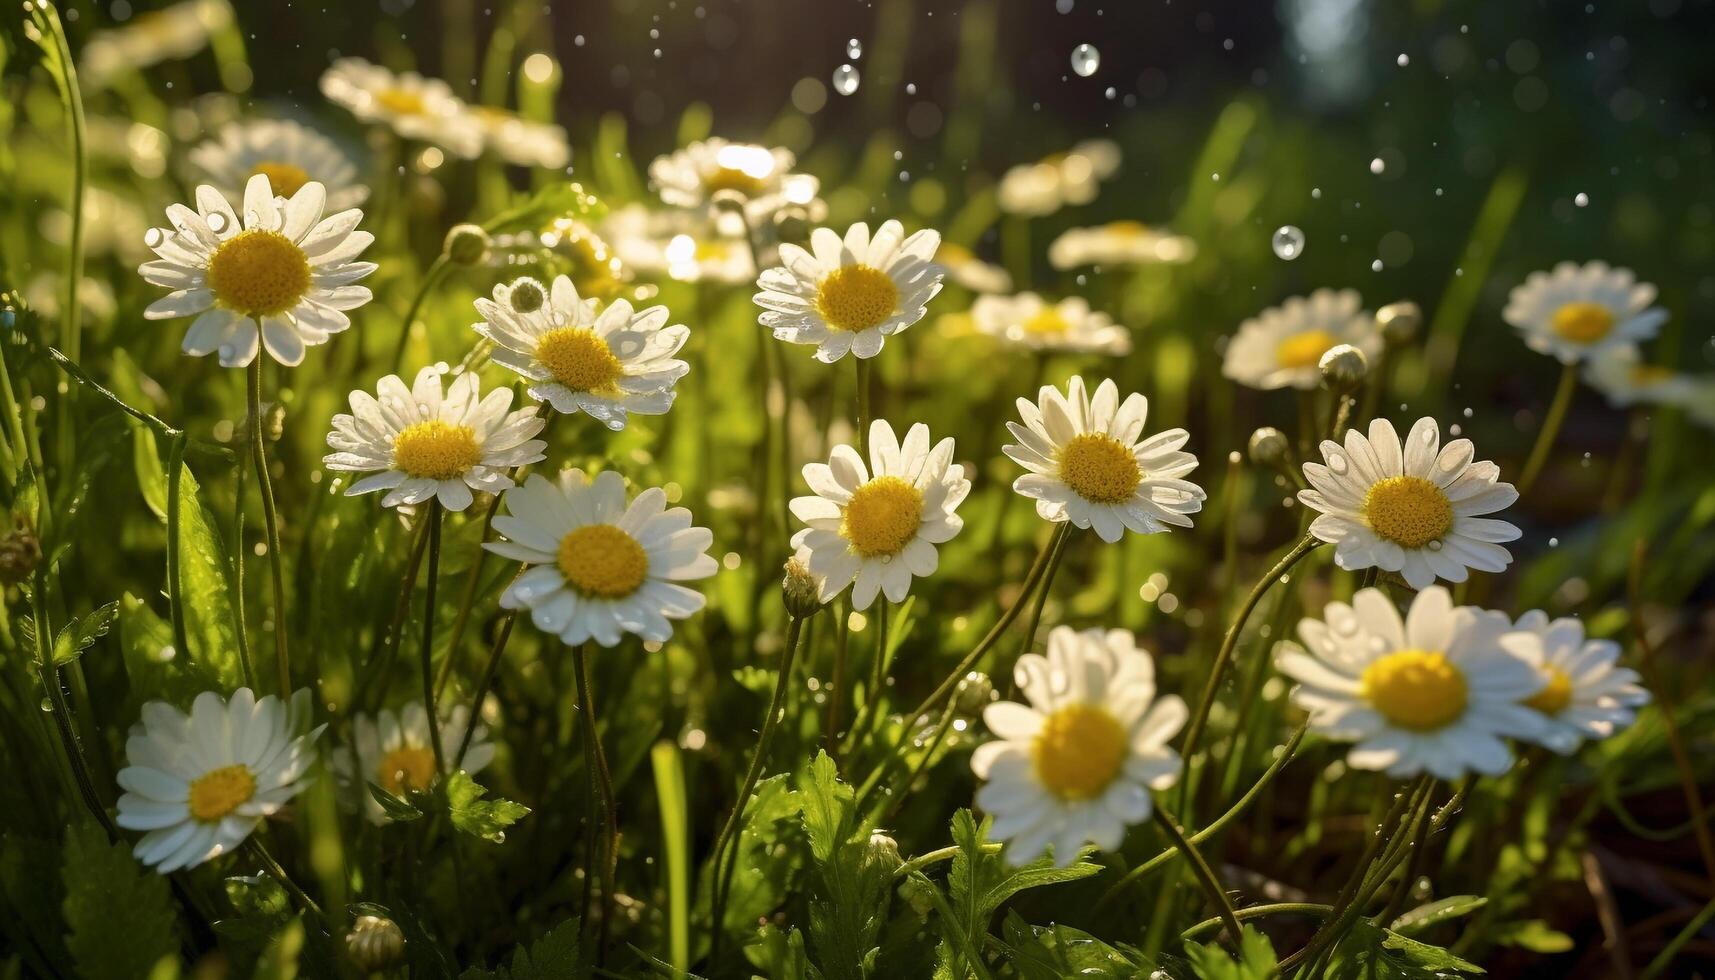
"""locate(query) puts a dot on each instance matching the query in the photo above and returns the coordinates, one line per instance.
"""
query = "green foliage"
(1055, 952)
(554, 956)
(1434, 913)
(1369, 952)
(1256, 960)
(81, 633)
(849, 895)
(487, 819)
(119, 915)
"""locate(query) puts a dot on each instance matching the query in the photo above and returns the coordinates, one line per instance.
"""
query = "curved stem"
(1200, 867)
(277, 571)
(1042, 591)
(485, 683)
(604, 785)
(1550, 430)
(61, 711)
(1257, 912)
(279, 874)
(175, 561)
(431, 279)
(1668, 952)
(383, 658)
(436, 517)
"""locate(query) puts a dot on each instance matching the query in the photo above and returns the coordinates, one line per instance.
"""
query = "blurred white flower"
(1073, 177)
(1585, 694)
(288, 153)
(965, 269)
(762, 176)
(1621, 375)
(416, 108)
(1119, 243)
(1028, 321)
(395, 753)
(521, 141)
(1578, 311)
(1283, 346)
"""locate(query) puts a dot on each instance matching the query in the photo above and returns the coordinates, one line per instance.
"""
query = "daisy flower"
(677, 244)
(876, 527)
(522, 142)
(1089, 463)
(420, 444)
(1622, 377)
(1584, 694)
(965, 269)
(416, 108)
(603, 567)
(691, 177)
(1118, 243)
(288, 153)
(394, 752)
(851, 294)
(1283, 346)
(285, 275)
(198, 784)
(605, 364)
(1413, 508)
(1075, 765)
(1577, 311)
(1041, 188)
(1028, 321)
(1433, 692)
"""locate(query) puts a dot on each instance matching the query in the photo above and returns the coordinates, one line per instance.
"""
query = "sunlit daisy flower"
(1621, 375)
(677, 244)
(289, 153)
(1579, 310)
(1585, 694)
(603, 568)
(1118, 243)
(1028, 321)
(520, 141)
(762, 176)
(198, 784)
(850, 295)
(875, 527)
(417, 108)
(1041, 188)
(1282, 346)
(284, 275)
(965, 269)
(607, 364)
(1413, 508)
(1433, 692)
(394, 752)
(1090, 464)
(1076, 764)
(421, 444)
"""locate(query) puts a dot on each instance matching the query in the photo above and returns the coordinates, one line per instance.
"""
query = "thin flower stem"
(279, 874)
(1035, 620)
(1665, 958)
(277, 571)
(1257, 912)
(383, 658)
(50, 677)
(485, 682)
(71, 315)
(175, 560)
(604, 785)
(877, 674)
(936, 737)
(863, 411)
(436, 517)
(831, 736)
(1550, 430)
(431, 279)
(1205, 875)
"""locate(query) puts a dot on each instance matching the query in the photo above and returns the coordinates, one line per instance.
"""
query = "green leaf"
(157, 670)
(80, 634)
(1437, 912)
(556, 200)
(487, 819)
(1369, 952)
(1056, 952)
(119, 915)
(1255, 961)
(852, 885)
(1534, 935)
(395, 807)
(552, 957)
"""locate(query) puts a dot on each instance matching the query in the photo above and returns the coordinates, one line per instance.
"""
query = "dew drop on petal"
(1337, 462)
(854, 49)
(1288, 242)
(1086, 59)
(845, 79)
(217, 222)
(154, 237)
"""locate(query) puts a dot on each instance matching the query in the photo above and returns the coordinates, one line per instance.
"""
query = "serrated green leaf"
(395, 807)
(1369, 952)
(1256, 960)
(552, 957)
(119, 915)
(487, 819)
(80, 634)
(852, 885)
(1434, 913)
(1056, 952)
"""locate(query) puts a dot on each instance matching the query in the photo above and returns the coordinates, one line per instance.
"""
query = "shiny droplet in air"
(845, 79)
(1581, 199)
(1288, 242)
(1377, 166)
(854, 49)
(1086, 59)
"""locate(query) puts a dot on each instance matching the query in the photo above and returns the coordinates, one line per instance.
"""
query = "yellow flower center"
(1079, 751)
(882, 517)
(1304, 350)
(1408, 510)
(952, 254)
(1047, 323)
(596, 271)
(734, 179)
(1127, 229)
(259, 273)
(1583, 323)
(218, 792)
(436, 450)
(1416, 689)
(602, 561)
(406, 768)
(856, 297)
(579, 359)
(1650, 375)
(285, 178)
(1555, 695)
(1100, 468)
(403, 102)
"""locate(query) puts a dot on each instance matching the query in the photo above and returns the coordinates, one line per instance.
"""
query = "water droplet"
(1376, 266)
(854, 49)
(1402, 60)
(1111, 93)
(1581, 199)
(1288, 242)
(1316, 193)
(154, 237)
(1063, 6)
(1377, 166)
(1434, 546)
(1554, 542)
(217, 222)
(1337, 462)
(1086, 59)
(845, 79)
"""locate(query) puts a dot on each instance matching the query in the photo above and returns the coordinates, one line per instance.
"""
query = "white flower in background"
(1119, 243)
(850, 295)
(1076, 764)
(395, 753)
(606, 364)
(198, 784)
(1578, 311)
(876, 527)
(1090, 464)
(416, 108)
(1434, 692)
(420, 444)
(1413, 508)
(603, 568)
(1028, 321)
(762, 176)
(1074, 177)
(520, 141)
(1585, 694)
(148, 39)
(677, 244)
(1700, 403)
(1283, 346)
(288, 153)
(284, 275)
(1622, 377)
(965, 269)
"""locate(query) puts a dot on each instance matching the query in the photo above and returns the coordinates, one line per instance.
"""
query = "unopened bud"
(1269, 447)
(1399, 322)
(526, 295)
(1343, 368)
(728, 200)
(884, 850)
(800, 590)
(20, 552)
(973, 694)
(374, 943)
(466, 244)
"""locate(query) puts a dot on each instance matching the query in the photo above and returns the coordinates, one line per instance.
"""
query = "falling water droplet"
(854, 49)
(1086, 59)
(1288, 242)
(1402, 60)
(1377, 166)
(845, 79)
(1063, 6)
(1581, 199)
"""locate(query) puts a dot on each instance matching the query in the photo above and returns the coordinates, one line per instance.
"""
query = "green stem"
(431, 278)
(50, 676)
(863, 411)
(486, 682)
(1257, 912)
(383, 658)
(175, 560)
(1200, 867)
(1035, 620)
(1664, 958)
(279, 874)
(271, 520)
(71, 315)
(436, 517)
(1550, 429)
(604, 785)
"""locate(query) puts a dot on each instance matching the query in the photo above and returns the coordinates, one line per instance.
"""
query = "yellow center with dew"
(284, 178)
(436, 450)
(1304, 350)
(882, 517)
(408, 767)
(856, 297)
(1099, 467)
(402, 102)
(1408, 510)
(1420, 690)
(1555, 695)
(734, 179)
(259, 273)
(601, 561)
(1079, 751)
(218, 792)
(1583, 323)
(1047, 323)
(579, 359)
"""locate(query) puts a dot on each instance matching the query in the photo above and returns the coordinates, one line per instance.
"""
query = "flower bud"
(20, 552)
(526, 295)
(800, 590)
(973, 694)
(916, 895)
(728, 200)
(792, 224)
(1343, 368)
(884, 850)
(374, 943)
(1269, 447)
(1399, 322)
(466, 244)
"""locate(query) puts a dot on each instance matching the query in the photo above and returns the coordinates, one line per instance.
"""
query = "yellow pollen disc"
(1047, 323)
(218, 792)
(579, 359)
(408, 767)
(602, 561)
(258, 273)
(1128, 229)
(882, 517)
(1304, 350)
(1098, 467)
(734, 179)
(401, 102)
(436, 450)
(1415, 689)
(1555, 695)
(856, 297)
(951, 254)
(1583, 323)
(285, 178)
(1408, 510)
(1650, 375)
(1079, 751)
